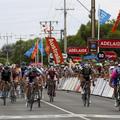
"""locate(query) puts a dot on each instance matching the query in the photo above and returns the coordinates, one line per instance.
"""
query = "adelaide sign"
(77, 50)
(109, 43)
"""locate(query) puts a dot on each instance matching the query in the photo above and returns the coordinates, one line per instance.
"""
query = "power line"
(83, 6)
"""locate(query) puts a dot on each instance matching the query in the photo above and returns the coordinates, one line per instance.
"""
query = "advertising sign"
(109, 43)
(93, 46)
(77, 50)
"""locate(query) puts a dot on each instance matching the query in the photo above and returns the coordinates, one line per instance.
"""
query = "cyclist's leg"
(82, 86)
(54, 88)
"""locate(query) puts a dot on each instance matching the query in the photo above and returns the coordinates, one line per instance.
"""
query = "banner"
(77, 50)
(116, 23)
(57, 55)
(109, 43)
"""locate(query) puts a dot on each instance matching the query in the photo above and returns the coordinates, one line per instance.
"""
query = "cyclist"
(23, 69)
(6, 78)
(31, 74)
(51, 75)
(86, 75)
(6, 74)
(114, 78)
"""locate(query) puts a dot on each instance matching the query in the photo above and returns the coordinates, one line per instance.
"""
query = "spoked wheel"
(39, 103)
(51, 98)
(31, 104)
(119, 107)
(88, 100)
(39, 99)
(30, 101)
(13, 99)
(4, 101)
(84, 99)
(4, 97)
(51, 95)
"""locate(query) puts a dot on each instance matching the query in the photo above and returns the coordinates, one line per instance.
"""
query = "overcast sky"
(22, 17)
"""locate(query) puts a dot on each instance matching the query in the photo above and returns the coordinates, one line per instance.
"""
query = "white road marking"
(101, 116)
(10, 117)
(73, 114)
(57, 107)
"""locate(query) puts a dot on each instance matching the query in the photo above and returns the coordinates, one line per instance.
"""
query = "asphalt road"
(67, 106)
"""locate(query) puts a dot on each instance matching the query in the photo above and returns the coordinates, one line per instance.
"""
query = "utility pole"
(20, 38)
(65, 26)
(93, 19)
(6, 37)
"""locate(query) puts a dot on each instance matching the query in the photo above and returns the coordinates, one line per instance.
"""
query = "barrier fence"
(101, 87)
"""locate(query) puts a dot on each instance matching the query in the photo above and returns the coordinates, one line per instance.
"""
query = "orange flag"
(35, 51)
(116, 23)
(47, 48)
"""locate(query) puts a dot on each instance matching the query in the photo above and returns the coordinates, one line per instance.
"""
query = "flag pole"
(42, 51)
(37, 52)
(98, 27)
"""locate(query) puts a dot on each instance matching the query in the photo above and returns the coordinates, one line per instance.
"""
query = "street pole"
(6, 37)
(65, 26)
(7, 49)
(93, 19)
(65, 30)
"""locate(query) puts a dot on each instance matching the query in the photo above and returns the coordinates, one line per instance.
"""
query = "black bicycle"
(86, 94)
(51, 90)
(33, 96)
(5, 92)
(12, 92)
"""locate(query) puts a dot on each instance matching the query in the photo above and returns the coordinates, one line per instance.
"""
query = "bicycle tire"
(31, 105)
(39, 99)
(88, 100)
(4, 98)
(4, 101)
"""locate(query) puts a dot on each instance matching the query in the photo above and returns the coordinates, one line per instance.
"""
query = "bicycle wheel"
(31, 101)
(39, 99)
(51, 98)
(12, 96)
(88, 96)
(84, 99)
(88, 100)
(4, 96)
(31, 105)
(51, 94)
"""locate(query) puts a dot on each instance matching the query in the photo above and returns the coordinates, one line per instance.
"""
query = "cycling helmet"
(6, 67)
(86, 65)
